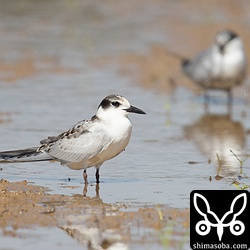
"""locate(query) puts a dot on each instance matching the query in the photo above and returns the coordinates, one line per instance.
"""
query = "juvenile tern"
(222, 66)
(89, 143)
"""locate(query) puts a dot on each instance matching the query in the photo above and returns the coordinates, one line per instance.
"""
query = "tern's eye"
(116, 104)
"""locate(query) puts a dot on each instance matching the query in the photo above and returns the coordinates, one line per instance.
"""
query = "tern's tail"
(24, 155)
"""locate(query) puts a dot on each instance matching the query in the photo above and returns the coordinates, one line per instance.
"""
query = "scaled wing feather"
(79, 143)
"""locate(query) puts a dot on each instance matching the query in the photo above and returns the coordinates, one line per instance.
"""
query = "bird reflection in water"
(88, 201)
(221, 139)
(97, 189)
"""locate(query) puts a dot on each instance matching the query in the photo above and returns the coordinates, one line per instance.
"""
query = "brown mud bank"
(90, 221)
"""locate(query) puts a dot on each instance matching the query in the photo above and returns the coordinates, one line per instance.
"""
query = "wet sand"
(88, 220)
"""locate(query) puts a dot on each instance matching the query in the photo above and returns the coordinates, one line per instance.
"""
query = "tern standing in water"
(222, 66)
(89, 143)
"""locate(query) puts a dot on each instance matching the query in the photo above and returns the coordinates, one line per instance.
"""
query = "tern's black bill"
(136, 110)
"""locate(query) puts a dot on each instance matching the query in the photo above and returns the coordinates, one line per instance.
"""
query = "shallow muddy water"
(56, 68)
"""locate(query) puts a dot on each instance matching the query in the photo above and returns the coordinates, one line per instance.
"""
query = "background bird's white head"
(227, 40)
(115, 106)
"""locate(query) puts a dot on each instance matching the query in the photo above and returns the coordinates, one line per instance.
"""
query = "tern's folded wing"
(85, 140)
(200, 69)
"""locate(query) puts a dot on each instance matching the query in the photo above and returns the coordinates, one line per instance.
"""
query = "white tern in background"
(222, 66)
(89, 143)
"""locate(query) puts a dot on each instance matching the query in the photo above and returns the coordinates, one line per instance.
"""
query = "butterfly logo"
(203, 227)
